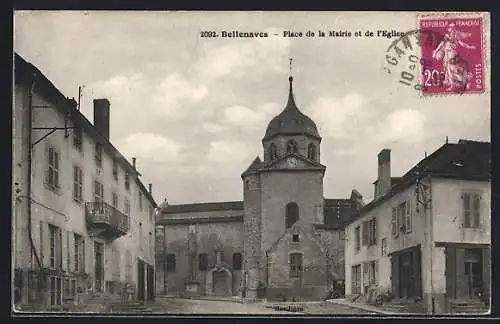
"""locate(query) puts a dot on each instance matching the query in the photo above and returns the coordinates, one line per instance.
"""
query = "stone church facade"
(283, 241)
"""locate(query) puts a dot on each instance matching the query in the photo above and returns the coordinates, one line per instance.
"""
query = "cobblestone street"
(200, 306)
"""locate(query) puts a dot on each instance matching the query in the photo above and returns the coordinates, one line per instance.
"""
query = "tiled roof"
(467, 160)
(254, 166)
(27, 73)
(337, 212)
(203, 207)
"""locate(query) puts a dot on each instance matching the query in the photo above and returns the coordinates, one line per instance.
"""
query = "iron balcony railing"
(99, 212)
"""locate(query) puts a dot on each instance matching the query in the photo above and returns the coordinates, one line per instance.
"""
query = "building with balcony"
(83, 221)
(424, 241)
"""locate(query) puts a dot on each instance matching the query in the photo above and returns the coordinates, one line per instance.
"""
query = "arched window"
(203, 262)
(311, 151)
(247, 184)
(237, 261)
(291, 146)
(273, 152)
(292, 214)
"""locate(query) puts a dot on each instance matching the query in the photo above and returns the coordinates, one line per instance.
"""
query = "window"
(78, 138)
(73, 288)
(171, 262)
(127, 181)
(295, 238)
(98, 154)
(295, 265)
(291, 146)
(273, 152)
(365, 229)
(98, 192)
(292, 214)
(55, 252)
(115, 170)
(151, 213)
(237, 261)
(115, 199)
(53, 168)
(311, 151)
(55, 291)
(394, 221)
(471, 210)
(357, 239)
(203, 262)
(383, 247)
(401, 218)
(77, 184)
(140, 201)
(79, 253)
(127, 207)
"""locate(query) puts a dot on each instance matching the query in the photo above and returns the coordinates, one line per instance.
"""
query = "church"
(283, 241)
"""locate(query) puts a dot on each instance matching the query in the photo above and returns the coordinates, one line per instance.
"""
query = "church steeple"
(291, 101)
(291, 121)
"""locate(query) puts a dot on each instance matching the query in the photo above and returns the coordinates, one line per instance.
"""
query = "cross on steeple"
(290, 66)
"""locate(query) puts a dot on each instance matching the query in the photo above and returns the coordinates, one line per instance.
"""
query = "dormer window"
(295, 238)
(291, 146)
(273, 152)
(311, 151)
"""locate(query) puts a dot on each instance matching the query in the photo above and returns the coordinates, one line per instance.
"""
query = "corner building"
(284, 241)
(83, 222)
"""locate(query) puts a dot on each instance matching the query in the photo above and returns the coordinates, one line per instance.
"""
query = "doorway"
(99, 266)
(140, 280)
(473, 272)
(406, 274)
(220, 283)
(151, 282)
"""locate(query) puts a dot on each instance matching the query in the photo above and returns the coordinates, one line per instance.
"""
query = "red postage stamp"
(453, 53)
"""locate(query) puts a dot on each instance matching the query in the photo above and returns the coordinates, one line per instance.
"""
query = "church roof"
(254, 166)
(203, 207)
(291, 121)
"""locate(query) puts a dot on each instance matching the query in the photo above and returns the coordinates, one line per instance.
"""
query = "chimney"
(133, 162)
(101, 116)
(150, 188)
(383, 184)
(357, 198)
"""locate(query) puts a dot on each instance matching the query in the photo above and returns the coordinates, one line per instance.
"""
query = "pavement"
(189, 306)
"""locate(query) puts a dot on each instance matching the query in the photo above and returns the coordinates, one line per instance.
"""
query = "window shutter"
(59, 251)
(476, 207)
(64, 249)
(394, 222)
(408, 217)
(467, 210)
(376, 272)
(46, 244)
(365, 233)
(374, 231)
(366, 274)
(71, 251)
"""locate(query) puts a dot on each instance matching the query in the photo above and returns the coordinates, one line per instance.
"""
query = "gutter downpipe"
(431, 240)
(29, 185)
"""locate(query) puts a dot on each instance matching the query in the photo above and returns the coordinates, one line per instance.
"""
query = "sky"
(193, 110)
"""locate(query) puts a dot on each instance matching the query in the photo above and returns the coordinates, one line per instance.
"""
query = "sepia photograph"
(254, 163)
